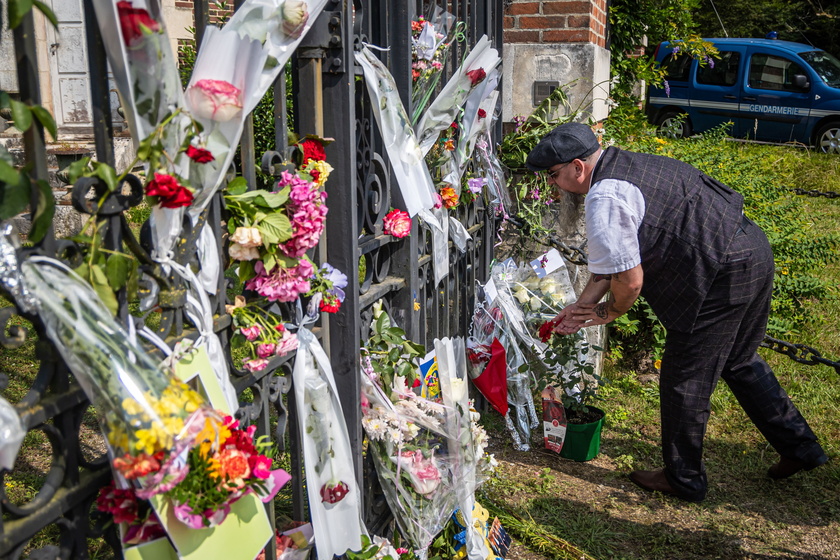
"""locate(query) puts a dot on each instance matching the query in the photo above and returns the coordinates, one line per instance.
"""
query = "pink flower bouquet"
(226, 463)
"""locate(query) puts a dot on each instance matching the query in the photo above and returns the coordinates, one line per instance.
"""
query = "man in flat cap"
(661, 228)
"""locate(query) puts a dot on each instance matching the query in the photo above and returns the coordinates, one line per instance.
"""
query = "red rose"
(482, 113)
(330, 304)
(476, 76)
(199, 155)
(332, 493)
(170, 193)
(133, 21)
(312, 149)
(547, 330)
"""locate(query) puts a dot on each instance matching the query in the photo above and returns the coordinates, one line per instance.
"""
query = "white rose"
(522, 296)
(535, 303)
(247, 237)
(458, 388)
(548, 284)
(242, 253)
(558, 298)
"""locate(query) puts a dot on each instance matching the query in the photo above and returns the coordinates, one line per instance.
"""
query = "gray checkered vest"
(690, 220)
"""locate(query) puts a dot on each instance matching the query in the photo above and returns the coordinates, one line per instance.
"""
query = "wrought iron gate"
(330, 100)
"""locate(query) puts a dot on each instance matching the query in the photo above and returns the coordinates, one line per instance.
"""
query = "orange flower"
(233, 465)
(136, 467)
(449, 196)
(449, 145)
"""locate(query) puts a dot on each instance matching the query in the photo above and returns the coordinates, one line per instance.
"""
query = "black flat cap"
(565, 143)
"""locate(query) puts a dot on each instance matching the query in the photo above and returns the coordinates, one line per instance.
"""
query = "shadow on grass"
(746, 515)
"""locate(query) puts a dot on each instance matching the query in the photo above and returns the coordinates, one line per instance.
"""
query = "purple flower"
(667, 89)
(338, 279)
(475, 185)
(711, 61)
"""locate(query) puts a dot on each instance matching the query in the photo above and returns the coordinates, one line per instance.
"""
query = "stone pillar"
(562, 41)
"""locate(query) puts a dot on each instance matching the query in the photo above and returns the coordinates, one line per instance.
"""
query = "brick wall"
(556, 21)
(217, 16)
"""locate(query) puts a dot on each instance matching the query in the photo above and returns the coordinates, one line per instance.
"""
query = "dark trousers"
(723, 343)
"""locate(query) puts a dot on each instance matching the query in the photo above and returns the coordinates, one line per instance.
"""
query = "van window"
(676, 67)
(773, 72)
(722, 72)
(825, 65)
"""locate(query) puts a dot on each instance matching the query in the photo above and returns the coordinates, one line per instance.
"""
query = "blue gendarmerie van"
(771, 90)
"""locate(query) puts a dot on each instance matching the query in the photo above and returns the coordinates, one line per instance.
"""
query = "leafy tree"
(815, 22)
(637, 23)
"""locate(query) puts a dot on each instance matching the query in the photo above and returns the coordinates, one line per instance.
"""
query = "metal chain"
(799, 352)
(827, 194)
(574, 255)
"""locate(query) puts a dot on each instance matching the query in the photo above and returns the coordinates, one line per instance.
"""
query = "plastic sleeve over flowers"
(405, 155)
(334, 497)
(234, 69)
(149, 418)
(408, 441)
(426, 447)
(446, 106)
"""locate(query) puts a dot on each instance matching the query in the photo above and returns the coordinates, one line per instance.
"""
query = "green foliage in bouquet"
(392, 354)
(531, 190)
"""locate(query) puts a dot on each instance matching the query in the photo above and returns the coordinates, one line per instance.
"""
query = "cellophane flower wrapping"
(334, 496)
(226, 463)
(467, 440)
(149, 418)
(512, 333)
(431, 37)
(471, 74)
(486, 164)
(404, 153)
(422, 449)
(541, 289)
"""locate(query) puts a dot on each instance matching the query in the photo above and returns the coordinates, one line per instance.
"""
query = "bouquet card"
(241, 536)
(246, 529)
(158, 549)
(196, 364)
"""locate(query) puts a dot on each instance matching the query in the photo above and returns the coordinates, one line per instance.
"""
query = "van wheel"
(828, 138)
(674, 124)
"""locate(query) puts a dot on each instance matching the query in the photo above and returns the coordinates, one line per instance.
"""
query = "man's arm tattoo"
(599, 277)
(601, 310)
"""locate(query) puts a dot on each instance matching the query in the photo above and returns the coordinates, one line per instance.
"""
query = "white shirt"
(614, 212)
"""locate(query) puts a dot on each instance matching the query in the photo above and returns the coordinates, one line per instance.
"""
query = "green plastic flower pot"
(583, 441)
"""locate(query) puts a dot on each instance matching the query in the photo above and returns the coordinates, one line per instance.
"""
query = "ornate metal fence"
(331, 101)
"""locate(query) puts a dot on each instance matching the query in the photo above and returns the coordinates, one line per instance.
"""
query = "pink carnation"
(251, 333)
(255, 365)
(288, 343)
(265, 350)
(260, 466)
